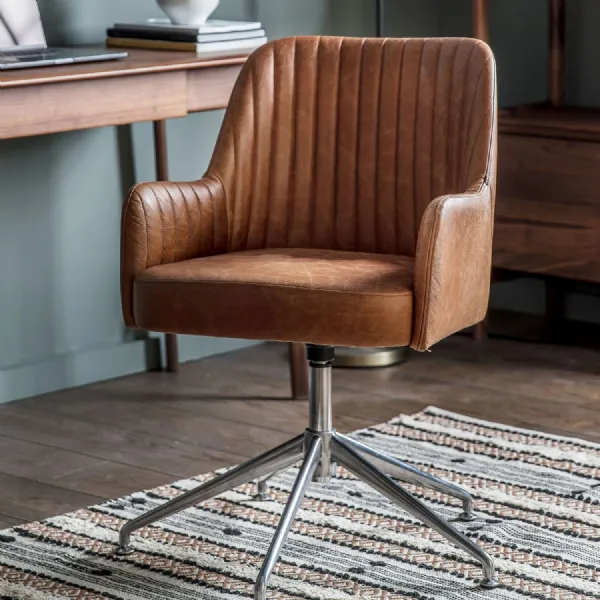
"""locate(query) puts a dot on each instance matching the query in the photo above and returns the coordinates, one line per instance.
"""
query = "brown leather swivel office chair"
(349, 202)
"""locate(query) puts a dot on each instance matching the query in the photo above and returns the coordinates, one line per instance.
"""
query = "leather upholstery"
(383, 147)
(351, 291)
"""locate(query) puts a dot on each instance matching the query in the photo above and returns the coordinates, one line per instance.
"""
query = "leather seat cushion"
(298, 295)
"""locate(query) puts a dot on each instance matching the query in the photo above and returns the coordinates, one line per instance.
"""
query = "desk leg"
(556, 308)
(298, 371)
(480, 331)
(162, 174)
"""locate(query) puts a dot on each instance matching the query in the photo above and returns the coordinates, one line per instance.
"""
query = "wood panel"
(6, 522)
(209, 89)
(139, 62)
(571, 123)
(481, 19)
(298, 371)
(548, 207)
(57, 107)
(556, 66)
(27, 500)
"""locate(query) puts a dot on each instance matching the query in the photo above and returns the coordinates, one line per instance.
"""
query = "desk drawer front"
(56, 107)
(211, 88)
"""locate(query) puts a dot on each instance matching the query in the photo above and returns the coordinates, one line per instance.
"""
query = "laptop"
(23, 42)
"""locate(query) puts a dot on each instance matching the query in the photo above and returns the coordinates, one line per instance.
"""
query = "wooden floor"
(74, 448)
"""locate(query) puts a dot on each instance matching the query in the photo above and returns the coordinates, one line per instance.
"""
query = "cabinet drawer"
(548, 207)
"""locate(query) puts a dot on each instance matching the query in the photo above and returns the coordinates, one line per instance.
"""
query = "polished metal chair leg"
(262, 488)
(305, 476)
(277, 459)
(320, 447)
(410, 474)
(349, 458)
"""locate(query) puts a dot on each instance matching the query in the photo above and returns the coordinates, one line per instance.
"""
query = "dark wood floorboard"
(70, 449)
(28, 500)
(6, 522)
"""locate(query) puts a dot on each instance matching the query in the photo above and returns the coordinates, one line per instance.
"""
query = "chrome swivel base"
(318, 449)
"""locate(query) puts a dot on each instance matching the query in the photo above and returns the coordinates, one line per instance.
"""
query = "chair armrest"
(165, 222)
(453, 266)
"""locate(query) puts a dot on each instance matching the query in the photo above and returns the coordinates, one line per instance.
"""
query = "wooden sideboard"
(548, 206)
(548, 200)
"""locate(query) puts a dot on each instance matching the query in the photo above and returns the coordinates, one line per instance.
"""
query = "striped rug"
(537, 499)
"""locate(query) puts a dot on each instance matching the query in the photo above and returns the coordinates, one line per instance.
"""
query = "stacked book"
(215, 38)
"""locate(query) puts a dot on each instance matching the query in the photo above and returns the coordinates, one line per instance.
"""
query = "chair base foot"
(261, 497)
(489, 584)
(319, 479)
(124, 550)
(467, 517)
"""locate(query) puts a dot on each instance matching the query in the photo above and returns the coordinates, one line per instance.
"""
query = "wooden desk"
(146, 86)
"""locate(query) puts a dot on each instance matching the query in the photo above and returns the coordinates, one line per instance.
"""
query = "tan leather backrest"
(341, 143)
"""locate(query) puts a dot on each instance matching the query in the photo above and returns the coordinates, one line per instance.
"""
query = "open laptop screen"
(20, 24)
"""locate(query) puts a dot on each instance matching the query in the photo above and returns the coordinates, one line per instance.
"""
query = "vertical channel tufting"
(216, 238)
(409, 85)
(449, 182)
(306, 54)
(327, 128)
(263, 103)
(195, 226)
(242, 139)
(479, 111)
(368, 127)
(377, 209)
(395, 197)
(247, 145)
(338, 127)
(313, 211)
(343, 142)
(281, 152)
(346, 194)
(423, 165)
(172, 230)
(272, 150)
(420, 122)
(460, 111)
(387, 146)
(471, 81)
(363, 161)
(182, 229)
(162, 225)
(255, 179)
(293, 133)
(202, 210)
(441, 178)
(433, 166)
(478, 138)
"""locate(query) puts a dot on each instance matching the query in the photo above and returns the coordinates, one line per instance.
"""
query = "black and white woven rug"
(537, 499)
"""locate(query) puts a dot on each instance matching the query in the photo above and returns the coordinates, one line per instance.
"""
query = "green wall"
(403, 17)
(521, 55)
